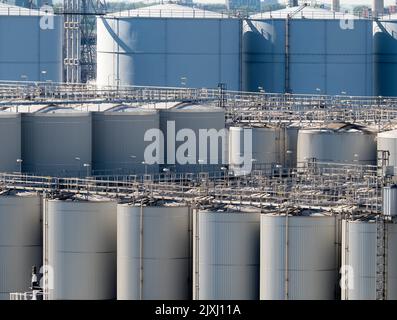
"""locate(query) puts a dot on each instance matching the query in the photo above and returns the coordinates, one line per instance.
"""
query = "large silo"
(337, 142)
(323, 52)
(153, 252)
(226, 254)
(10, 141)
(298, 257)
(387, 141)
(20, 241)
(359, 254)
(80, 246)
(169, 45)
(118, 140)
(195, 137)
(56, 141)
(31, 44)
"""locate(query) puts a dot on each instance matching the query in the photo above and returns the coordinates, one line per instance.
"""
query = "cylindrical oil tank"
(226, 255)
(169, 45)
(385, 44)
(57, 142)
(118, 140)
(359, 256)
(34, 44)
(387, 141)
(389, 200)
(80, 245)
(298, 257)
(277, 61)
(337, 142)
(20, 241)
(195, 137)
(153, 252)
(10, 141)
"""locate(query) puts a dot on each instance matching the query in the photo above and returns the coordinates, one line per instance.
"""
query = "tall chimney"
(335, 5)
(292, 3)
(378, 7)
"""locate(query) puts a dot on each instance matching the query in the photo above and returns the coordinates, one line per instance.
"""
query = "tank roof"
(306, 13)
(388, 134)
(168, 10)
(11, 10)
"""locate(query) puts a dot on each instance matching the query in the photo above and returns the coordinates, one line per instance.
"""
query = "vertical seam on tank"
(166, 52)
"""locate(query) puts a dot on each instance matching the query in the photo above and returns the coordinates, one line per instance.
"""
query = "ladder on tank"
(381, 258)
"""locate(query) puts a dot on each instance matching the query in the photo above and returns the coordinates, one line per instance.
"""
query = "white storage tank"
(169, 45)
(338, 142)
(80, 245)
(56, 141)
(153, 252)
(387, 141)
(20, 241)
(226, 254)
(329, 53)
(31, 44)
(359, 244)
(190, 152)
(298, 256)
(10, 141)
(118, 140)
(385, 46)
(389, 207)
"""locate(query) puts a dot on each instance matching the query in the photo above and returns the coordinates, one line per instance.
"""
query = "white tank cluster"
(328, 52)
(80, 246)
(20, 241)
(226, 254)
(338, 142)
(168, 45)
(299, 256)
(10, 141)
(31, 44)
(359, 253)
(154, 252)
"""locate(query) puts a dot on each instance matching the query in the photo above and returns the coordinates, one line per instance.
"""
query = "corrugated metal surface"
(52, 141)
(324, 54)
(359, 252)
(153, 253)
(195, 118)
(160, 51)
(226, 256)
(354, 146)
(20, 242)
(298, 258)
(27, 50)
(390, 200)
(10, 142)
(80, 240)
(118, 141)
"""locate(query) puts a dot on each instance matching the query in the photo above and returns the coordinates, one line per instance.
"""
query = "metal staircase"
(381, 258)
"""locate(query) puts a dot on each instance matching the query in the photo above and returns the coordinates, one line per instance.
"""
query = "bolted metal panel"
(51, 142)
(226, 255)
(20, 242)
(355, 147)
(359, 252)
(153, 253)
(118, 141)
(80, 240)
(10, 141)
(168, 51)
(298, 257)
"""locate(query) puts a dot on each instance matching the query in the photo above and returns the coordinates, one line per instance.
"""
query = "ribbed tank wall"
(387, 141)
(10, 142)
(298, 258)
(359, 240)
(118, 141)
(333, 59)
(153, 253)
(32, 53)
(52, 142)
(20, 242)
(226, 256)
(80, 245)
(162, 51)
(331, 146)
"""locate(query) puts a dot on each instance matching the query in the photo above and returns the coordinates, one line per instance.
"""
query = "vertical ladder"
(381, 258)
(72, 40)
